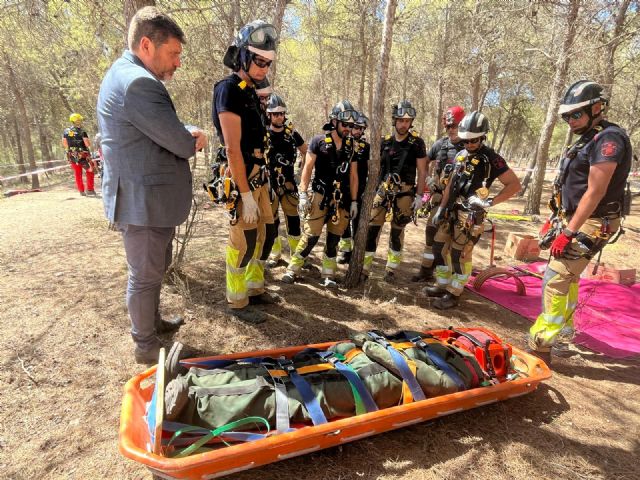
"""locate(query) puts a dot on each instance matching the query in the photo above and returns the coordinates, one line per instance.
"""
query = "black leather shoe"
(433, 291)
(171, 325)
(265, 298)
(446, 302)
(424, 275)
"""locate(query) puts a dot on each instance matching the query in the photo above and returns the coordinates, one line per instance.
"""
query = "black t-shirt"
(283, 151)
(392, 153)
(444, 152)
(481, 168)
(232, 94)
(330, 162)
(363, 152)
(75, 138)
(609, 145)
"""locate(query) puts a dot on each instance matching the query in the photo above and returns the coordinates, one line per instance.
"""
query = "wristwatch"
(569, 233)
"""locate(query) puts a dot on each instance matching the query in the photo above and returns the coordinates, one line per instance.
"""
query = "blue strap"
(358, 384)
(401, 364)
(308, 397)
(439, 362)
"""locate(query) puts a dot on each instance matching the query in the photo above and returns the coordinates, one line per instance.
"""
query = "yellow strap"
(351, 354)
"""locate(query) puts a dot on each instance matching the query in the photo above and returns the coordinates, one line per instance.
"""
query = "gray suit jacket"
(146, 179)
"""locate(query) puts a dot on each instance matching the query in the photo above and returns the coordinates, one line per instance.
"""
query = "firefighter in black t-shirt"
(76, 145)
(362, 152)
(442, 153)
(589, 204)
(460, 216)
(238, 121)
(402, 155)
(332, 161)
(282, 143)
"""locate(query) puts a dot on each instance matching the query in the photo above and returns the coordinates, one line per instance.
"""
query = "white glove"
(437, 217)
(353, 210)
(417, 203)
(475, 201)
(303, 204)
(249, 208)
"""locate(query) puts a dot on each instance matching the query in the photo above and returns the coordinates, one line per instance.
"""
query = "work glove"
(475, 201)
(250, 211)
(437, 217)
(353, 210)
(303, 204)
(417, 203)
(560, 244)
(431, 183)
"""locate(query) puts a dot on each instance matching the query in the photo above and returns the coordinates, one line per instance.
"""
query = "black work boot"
(265, 298)
(424, 275)
(344, 257)
(433, 291)
(247, 315)
(171, 325)
(447, 301)
(389, 277)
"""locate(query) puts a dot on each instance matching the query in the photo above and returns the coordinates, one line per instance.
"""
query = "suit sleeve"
(149, 108)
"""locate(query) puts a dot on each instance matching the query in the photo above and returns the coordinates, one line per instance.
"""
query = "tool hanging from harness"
(215, 186)
(231, 195)
(279, 161)
(463, 177)
(339, 163)
(391, 180)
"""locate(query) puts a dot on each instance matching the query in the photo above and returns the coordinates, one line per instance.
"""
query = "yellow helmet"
(75, 117)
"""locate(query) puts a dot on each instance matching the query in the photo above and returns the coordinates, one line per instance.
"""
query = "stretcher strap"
(306, 393)
(173, 427)
(439, 362)
(409, 377)
(212, 434)
(219, 363)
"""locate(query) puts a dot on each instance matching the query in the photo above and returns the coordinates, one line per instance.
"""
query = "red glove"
(560, 244)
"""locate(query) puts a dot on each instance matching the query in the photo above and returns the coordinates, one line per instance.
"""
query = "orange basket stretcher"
(136, 442)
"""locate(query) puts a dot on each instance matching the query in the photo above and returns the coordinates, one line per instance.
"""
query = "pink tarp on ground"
(607, 319)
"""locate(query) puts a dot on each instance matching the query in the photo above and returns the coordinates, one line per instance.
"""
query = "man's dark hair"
(157, 26)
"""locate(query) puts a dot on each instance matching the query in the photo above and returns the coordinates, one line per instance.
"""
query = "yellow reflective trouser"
(245, 270)
(460, 243)
(289, 205)
(313, 224)
(560, 285)
(427, 254)
(401, 216)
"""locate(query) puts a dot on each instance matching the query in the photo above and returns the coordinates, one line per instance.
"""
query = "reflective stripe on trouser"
(329, 266)
(401, 213)
(345, 245)
(462, 242)
(443, 276)
(276, 250)
(430, 232)
(368, 262)
(560, 286)
(293, 242)
(313, 224)
(240, 270)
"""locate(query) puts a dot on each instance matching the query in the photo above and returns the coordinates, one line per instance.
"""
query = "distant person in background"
(76, 146)
(147, 181)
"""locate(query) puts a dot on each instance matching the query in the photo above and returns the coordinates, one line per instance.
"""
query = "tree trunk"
(278, 15)
(612, 46)
(532, 205)
(130, 9)
(475, 89)
(44, 150)
(531, 165)
(24, 119)
(18, 145)
(355, 266)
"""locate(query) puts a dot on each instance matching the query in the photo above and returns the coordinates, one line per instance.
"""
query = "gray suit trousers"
(148, 251)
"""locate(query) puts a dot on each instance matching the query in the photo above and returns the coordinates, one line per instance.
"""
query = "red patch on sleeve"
(609, 149)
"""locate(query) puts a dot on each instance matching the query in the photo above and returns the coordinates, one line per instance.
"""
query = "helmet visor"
(406, 111)
(347, 115)
(261, 34)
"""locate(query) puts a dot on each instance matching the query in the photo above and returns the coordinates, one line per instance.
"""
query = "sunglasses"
(261, 62)
(357, 127)
(346, 124)
(577, 115)
(450, 127)
(472, 140)
(277, 114)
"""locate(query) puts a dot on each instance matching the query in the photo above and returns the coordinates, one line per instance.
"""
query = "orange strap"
(320, 367)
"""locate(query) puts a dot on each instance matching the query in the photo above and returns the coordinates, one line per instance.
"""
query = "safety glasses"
(259, 35)
(357, 127)
(577, 115)
(346, 124)
(347, 114)
(402, 111)
(260, 62)
(277, 114)
(472, 140)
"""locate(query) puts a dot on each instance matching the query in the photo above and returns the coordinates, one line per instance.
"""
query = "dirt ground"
(66, 352)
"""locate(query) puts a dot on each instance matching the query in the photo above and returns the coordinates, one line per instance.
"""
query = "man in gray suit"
(146, 183)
